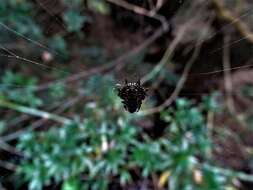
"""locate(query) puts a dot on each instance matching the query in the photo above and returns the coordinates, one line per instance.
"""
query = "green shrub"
(20, 89)
(18, 15)
(106, 145)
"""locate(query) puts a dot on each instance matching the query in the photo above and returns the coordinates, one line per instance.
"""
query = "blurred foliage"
(58, 44)
(2, 127)
(103, 144)
(99, 6)
(58, 91)
(18, 15)
(20, 89)
(247, 91)
(73, 17)
(73, 20)
(89, 153)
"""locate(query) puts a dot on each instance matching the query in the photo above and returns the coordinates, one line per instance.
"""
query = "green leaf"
(2, 127)
(24, 95)
(58, 91)
(71, 184)
(58, 44)
(125, 177)
(74, 20)
(99, 6)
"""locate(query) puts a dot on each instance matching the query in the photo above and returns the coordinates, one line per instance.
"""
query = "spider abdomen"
(132, 95)
(132, 105)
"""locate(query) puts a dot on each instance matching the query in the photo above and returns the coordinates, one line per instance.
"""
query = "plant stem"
(34, 112)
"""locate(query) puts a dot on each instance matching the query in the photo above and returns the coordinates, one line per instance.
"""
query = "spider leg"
(139, 105)
(125, 107)
(118, 86)
(139, 81)
(118, 89)
(142, 94)
(124, 104)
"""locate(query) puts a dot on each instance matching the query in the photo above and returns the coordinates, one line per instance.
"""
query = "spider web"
(44, 67)
(12, 55)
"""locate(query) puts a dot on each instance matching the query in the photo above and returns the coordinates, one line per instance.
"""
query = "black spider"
(132, 95)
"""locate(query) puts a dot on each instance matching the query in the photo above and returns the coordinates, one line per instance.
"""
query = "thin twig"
(43, 6)
(159, 4)
(227, 74)
(40, 122)
(141, 11)
(2, 187)
(10, 148)
(229, 173)
(8, 165)
(179, 86)
(227, 15)
(108, 66)
(167, 55)
(14, 123)
(33, 111)
(181, 82)
(228, 82)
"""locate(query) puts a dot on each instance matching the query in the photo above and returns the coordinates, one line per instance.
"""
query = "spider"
(132, 95)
